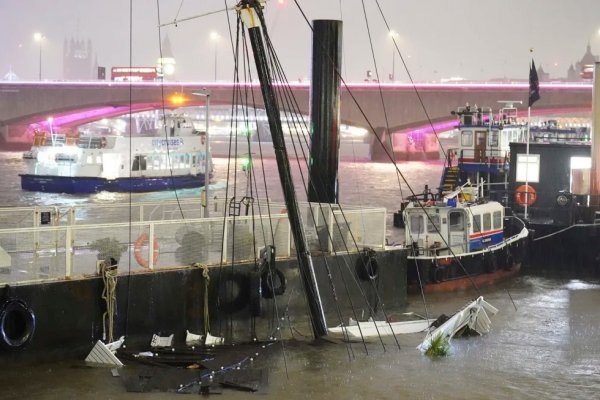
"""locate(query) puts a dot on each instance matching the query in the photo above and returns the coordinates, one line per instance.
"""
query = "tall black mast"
(251, 13)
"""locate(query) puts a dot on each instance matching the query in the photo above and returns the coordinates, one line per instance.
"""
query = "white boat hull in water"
(366, 330)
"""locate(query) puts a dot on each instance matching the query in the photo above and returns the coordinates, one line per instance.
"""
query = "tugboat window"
(580, 175)
(466, 139)
(433, 224)
(497, 219)
(476, 223)
(487, 222)
(416, 224)
(457, 222)
(528, 167)
(493, 139)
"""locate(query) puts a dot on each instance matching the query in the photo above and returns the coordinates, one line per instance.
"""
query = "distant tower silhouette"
(78, 60)
(585, 67)
(165, 64)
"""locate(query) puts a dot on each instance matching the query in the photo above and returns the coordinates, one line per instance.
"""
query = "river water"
(544, 343)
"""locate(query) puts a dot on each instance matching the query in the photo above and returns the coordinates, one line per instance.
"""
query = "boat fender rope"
(139, 243)
(109, 295)
(17, 324)
(206, 279)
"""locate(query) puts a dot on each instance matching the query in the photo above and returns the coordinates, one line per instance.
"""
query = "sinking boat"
(356, 331)
(475, 316)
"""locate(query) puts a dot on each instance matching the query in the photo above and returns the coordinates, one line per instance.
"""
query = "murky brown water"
(548, 348)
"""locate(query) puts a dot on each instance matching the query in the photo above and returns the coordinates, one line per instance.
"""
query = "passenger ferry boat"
(74, 163)
(461, 240)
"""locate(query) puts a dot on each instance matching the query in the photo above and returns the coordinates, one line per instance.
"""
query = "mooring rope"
(109, 295)
(206, 278)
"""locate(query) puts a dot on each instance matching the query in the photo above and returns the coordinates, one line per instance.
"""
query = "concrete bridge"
(406, 106)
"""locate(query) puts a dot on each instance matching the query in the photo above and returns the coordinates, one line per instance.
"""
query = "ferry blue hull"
(63, 184)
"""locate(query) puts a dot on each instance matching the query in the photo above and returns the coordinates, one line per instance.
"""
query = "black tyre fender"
(17, 324)
(437, 273)
(490, 263)
(367, 267)
(274, 283)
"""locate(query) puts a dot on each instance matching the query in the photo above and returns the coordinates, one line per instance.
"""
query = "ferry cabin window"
(580, 175)
(433, 223)
(487, 222)
(139, 163)
(466, 139)
(528, 167)
(416, 224)
(476, 223)
(457, 221)
(497, 218)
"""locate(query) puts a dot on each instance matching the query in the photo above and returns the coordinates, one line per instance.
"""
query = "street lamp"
(393, 35)
(214, 37)
(39, 38)
(206, 93)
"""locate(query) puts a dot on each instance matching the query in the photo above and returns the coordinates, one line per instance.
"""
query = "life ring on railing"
(139, 243)
(17, 324)
(525, 194)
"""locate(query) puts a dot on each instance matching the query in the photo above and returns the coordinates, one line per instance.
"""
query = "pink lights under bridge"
(70, 104)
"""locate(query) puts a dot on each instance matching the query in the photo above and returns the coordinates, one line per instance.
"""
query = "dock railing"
(54, 243)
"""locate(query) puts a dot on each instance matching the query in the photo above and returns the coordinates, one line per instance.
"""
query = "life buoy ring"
(367, 267)
(525, 194)
(139, 243)
(273, 283)
(17, 324)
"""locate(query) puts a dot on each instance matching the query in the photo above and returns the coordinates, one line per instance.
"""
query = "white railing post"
(151, 247)
(225, 240)
(68, 252)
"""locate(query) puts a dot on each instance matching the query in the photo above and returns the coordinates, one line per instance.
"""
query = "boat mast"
(250, 12)
(595, 172)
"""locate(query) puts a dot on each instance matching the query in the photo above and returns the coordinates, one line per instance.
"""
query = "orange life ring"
(521, 195)
(139, 243)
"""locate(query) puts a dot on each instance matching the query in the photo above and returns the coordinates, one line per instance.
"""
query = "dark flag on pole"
(534, 85)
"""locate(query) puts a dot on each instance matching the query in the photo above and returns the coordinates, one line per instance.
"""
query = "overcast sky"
(476, 40)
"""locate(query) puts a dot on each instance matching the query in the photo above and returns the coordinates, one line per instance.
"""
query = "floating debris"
(161, 341)
(103, 354)
(473, 317)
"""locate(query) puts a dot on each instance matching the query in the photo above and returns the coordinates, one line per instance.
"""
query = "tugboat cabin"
(460, 224)
(483, 144)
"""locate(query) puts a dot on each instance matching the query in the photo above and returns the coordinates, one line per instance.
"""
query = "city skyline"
(469, 42)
